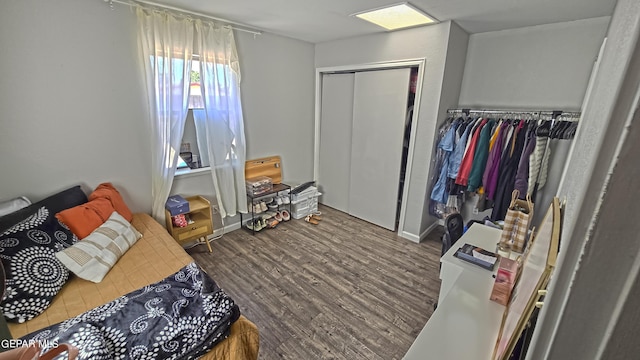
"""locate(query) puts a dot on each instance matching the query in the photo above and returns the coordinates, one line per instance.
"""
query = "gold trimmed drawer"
(193, 231)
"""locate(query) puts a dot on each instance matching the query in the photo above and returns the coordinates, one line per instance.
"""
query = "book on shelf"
(477, 255)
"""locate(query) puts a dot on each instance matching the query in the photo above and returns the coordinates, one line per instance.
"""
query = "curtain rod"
(553, 113)
(243, 27)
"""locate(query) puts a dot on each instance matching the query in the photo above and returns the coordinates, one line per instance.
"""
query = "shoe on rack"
(279, 200)
(278, 216)
(263, 206)
(286, 200)
(257, 208)
(250, 225)
(285, 215)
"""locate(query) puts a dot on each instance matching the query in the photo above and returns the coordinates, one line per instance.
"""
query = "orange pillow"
(85, 218)
(107, 191)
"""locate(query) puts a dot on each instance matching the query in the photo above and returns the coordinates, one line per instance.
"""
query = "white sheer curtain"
(220, 84)
(166, 44)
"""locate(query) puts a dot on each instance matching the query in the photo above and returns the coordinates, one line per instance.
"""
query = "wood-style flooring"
(343, 289)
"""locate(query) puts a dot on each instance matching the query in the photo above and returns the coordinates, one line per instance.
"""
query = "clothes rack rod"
(528, 112)
(239, 26)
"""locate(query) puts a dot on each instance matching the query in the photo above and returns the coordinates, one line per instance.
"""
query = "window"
(195, 94)
(192, 144)
(194, 139)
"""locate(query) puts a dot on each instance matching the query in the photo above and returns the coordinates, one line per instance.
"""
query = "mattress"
(155, 256)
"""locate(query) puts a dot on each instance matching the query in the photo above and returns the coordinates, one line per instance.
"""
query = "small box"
(177, 205)
(505, 281)
(478, 256)
(259, 185)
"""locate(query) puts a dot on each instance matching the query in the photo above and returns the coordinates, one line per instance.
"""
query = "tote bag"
(516, 223)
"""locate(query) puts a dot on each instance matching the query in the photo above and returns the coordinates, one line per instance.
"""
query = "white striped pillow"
(92, 257)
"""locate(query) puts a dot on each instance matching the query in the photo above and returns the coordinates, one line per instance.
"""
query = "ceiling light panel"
(397, 16)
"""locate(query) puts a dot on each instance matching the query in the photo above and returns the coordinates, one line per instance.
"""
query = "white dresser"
(466, 323)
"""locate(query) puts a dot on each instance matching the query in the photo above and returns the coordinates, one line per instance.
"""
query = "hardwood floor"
(343, 289)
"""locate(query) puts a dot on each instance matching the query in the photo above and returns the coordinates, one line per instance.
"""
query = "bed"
(152, 258)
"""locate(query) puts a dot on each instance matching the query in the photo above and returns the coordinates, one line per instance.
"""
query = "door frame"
(385, 65)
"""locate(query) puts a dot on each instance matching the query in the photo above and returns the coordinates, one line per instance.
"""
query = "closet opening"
(413, 83)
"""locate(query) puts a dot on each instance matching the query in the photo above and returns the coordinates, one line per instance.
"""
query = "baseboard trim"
(417, 239)
(227, 229)
(411, 237)
(429, 230)
(232, 227)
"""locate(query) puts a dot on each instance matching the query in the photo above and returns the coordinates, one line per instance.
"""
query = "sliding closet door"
(335, 140)
(379, 110)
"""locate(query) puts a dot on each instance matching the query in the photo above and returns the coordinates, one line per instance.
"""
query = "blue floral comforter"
(180, 317)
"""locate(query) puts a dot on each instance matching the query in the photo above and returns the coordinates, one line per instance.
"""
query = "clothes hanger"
(573, 126)
(562, 129)
(544, 128)
(566, 130)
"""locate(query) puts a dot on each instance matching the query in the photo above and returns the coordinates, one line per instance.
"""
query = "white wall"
(277, 100)
(71, 100)
(537, 67)
(72, 103)
(430, 42)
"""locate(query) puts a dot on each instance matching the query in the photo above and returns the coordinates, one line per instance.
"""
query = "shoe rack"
(267, 210)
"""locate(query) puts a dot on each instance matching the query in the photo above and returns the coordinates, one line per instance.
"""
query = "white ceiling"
(324, 20)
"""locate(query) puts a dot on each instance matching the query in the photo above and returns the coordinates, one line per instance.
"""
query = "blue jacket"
(447, 145)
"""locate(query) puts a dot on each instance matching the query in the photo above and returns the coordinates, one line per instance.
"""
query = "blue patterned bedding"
(181, 317)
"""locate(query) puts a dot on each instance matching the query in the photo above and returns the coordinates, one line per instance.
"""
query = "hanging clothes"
(483, 203)
(446, 145)
(492, 169)
(491, 158)
(522, 175)
(480, 158)
(539, 160)
(495, 134)
(436, 208)
(508, 167)
(467, 162)
(438, 159)
(456, 158)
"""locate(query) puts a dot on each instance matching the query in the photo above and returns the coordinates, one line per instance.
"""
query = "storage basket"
(305, 203)
(308, 192)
